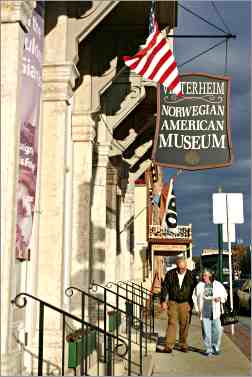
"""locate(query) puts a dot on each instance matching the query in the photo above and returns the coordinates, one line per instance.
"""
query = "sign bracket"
(227, 36)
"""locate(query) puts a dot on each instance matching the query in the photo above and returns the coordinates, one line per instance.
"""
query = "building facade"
(95, 138)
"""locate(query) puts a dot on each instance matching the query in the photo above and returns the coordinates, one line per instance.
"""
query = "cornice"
(17, 11)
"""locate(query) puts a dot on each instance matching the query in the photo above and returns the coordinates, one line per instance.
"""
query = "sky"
(194, 189)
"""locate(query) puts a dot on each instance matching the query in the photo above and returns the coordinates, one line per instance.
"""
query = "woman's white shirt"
(218, 291)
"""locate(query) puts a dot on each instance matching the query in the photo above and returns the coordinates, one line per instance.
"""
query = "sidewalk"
(232, 362)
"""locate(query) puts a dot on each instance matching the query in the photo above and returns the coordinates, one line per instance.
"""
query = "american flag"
(155, 60)
(168, 212)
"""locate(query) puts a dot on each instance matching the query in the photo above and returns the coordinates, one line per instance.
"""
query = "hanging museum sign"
(193, 132)
(30, 98)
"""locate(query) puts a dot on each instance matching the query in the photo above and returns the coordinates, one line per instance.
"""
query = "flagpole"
(151, 16)
(209, 36)
(220, 247)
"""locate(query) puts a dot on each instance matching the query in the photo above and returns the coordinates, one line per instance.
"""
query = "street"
(245, 322)
(242, 334)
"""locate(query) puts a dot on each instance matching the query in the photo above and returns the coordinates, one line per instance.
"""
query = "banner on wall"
(30, 97)
(193, 132)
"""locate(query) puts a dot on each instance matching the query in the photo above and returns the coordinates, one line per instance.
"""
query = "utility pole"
(220, 247)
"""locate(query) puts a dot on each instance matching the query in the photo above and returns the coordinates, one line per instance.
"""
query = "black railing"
(139, 306)
(147, 295)
(139, 285)
(101, 306)
(130, 294)
(139, 295)
(116, 347)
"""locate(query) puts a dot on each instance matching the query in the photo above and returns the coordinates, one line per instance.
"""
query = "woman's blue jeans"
(211, 333)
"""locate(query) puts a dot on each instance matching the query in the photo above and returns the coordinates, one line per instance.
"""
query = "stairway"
(80, 347)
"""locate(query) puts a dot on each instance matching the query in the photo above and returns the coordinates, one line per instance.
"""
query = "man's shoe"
(167, 350)
(216, 353)
(184, 349)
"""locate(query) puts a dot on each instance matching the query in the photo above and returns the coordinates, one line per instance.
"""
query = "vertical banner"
(30, 96)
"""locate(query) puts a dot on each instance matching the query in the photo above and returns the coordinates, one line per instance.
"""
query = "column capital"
(58, 81)
(17, 11)
(84, 127)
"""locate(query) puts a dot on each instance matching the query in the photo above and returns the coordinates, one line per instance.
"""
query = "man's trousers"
(180, 312)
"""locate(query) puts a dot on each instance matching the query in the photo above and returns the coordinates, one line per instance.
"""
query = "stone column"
(127, 228)
(119, 238)
(140, 244)
(129, 213)
(83, 134)
(111, 218)
(14, 23)
(98, 214)
(58, 81)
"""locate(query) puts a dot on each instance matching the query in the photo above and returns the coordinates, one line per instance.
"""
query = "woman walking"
(208, 297)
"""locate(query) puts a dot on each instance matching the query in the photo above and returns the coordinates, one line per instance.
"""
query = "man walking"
(178, 287)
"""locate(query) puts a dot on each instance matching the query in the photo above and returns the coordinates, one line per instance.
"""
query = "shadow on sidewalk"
(161, 345)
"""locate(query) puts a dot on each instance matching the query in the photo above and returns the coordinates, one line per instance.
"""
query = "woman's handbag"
(228, 316)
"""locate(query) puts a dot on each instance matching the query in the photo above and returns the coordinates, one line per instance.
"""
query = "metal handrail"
(136, 286)
(42, 305)
(132, 321)
(94, 287)
(120, 285)
(70, 294)
(140, 286)
(136, 305)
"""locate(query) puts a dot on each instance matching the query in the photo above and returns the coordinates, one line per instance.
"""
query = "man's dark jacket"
(171, 287)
